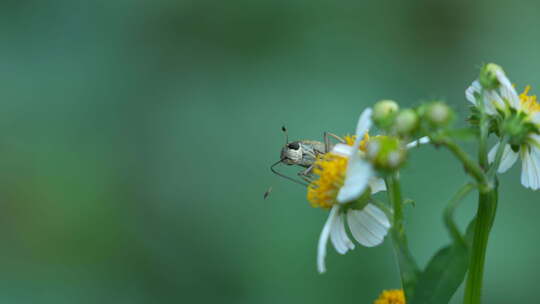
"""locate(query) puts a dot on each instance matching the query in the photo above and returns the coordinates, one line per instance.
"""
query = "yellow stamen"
(330, 169)
(349, 140)
(391, 297)
(529, 103)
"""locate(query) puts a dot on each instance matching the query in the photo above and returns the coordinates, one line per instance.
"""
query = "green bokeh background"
(137, 135)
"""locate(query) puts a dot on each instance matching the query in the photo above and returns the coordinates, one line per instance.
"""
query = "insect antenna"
(284, 129)
(285, 176)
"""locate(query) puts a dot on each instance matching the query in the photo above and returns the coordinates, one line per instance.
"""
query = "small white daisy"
(503, 102)
(343, 180)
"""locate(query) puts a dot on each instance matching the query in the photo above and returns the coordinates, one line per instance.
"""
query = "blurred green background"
(137, 137)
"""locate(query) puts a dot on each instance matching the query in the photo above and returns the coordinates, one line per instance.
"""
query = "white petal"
(492, 101)
(508, 91)
(339, 237)
(524, 168)
(323, 239)
(364, 123)
(535, 140)
(342, 150)
(369, 226)
(360, 232)
(535, 156)
(418, 142)
(508, 159)
(378, 214)
(489, 97)
(530, 173)
(492, 153)
(358, 174)
(475, 87)
(376, 184)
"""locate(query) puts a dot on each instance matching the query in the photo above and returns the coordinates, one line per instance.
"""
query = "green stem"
(484, 220)
(487, 206)
(407, 265)
(482, 149)
(470, 165)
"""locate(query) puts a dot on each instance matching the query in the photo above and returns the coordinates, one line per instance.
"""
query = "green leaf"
(407, 267)
(442, 276)
(445, 272)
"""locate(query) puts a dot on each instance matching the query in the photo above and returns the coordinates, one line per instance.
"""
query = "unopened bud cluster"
(406, 123)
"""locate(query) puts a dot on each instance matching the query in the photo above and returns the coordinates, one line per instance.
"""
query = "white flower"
(369, 225)
(499, 99)
(500, 102)
(530, 161)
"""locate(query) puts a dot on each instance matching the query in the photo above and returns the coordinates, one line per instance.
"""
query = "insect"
(302, 153)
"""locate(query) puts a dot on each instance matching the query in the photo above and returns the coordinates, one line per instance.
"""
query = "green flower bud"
(384, 112)
(438, 114)
(406, 122)
(518, 129)
(385, 152)
(488, 76)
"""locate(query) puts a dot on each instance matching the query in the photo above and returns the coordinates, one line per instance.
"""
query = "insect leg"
(305, 174)
(327, 144)
(285, 176)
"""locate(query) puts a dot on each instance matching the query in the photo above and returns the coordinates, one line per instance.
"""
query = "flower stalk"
(407, 265)
(487, 204)
(468, 163)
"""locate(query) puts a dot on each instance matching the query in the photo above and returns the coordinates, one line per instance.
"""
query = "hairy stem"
(484, 220)
(407, 265)
(485, 215)
(470, 165)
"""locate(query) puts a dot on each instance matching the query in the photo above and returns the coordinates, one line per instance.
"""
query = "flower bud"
(488, 76)
(518, 129)
(438, 114)
(385, 152)
(384, 113)
(406, 122)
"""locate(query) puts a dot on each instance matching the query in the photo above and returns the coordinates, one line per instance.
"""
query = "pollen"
(529, 102)
(391, 297)
(330, 169)
(349, 140)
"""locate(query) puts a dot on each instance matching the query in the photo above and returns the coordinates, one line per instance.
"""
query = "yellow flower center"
(330, 169)
(391, 297)
(528, 102)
